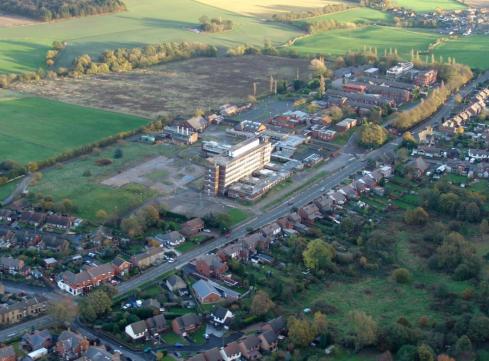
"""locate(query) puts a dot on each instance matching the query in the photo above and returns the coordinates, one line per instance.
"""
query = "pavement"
(19, 329)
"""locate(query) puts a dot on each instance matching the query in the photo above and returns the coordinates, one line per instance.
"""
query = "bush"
(401, 275)
(103, 162)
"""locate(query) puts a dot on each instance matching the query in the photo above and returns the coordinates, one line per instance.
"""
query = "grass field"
(87, 193)
(7, 189)
(470, 50)
(338, 42)
(425, 6)
(145, 22)
(33, 129)
(355, 15)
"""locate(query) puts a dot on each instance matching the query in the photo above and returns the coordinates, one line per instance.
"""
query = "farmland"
(145, 22)
(34, 129)
(266, 7)
(175, 88)
(470, 50)
(338, 42)
(425, 6)
(356, 15)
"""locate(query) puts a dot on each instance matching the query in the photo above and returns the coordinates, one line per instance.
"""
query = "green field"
(338, 42)
(425, 6)
(356, 15)
(7, 189)
(34, 129)
(87, 193)
(470, 50)
(145, 22)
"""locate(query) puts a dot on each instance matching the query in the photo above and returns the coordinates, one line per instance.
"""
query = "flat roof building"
(238, 162)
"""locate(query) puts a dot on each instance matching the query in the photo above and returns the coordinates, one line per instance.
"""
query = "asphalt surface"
(19, 329)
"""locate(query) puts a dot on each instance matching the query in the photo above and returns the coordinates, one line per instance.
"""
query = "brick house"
(205, 292)
(269, 341)
(148, 258)
(84, 281)
(250, 347)
(58, 222)
(12, 265)
(71, 346)
(210, 265)
(121, 266)
(192, 228)
(185, 324)
(309, 214)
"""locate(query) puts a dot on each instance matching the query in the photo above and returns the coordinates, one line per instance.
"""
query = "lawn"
(470, 50)
(34, 129)
(87, 193)
(236, 216)
(338, 42)
(145, 22)
(355, 15)
(426, 6)
(6, 190)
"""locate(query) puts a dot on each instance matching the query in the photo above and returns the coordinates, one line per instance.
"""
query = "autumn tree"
(261, 304)
(425, 353)
(101, 215)
(417, 216)
(301, 331)
(318, 255)
(364, 329)
(64, 310)
(373, 135)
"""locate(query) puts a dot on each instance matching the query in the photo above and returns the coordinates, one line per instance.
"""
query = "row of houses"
(11, 313)
(477, 105)
(93, 276)
(36, 219)
(249, 347)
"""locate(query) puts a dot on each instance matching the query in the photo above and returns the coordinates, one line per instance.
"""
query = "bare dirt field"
(177, 88)
(165, 175)
(477, 3)
(7, 21)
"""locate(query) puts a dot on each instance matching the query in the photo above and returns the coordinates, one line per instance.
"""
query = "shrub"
(401, 275)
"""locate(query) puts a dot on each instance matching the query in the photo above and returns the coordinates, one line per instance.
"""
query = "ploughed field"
(177, 88)
(35, 129)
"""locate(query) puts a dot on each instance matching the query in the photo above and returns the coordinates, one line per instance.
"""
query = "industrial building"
(237, 163)
(400, 69)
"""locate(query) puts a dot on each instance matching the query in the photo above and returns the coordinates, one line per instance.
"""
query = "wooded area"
(48, 10)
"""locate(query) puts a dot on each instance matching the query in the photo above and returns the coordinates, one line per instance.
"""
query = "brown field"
(177, 88)
(7, 21)
(477, 3)
(266, 7)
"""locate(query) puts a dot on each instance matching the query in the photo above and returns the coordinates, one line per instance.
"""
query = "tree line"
(296, 15)
(453, 77)
(325, 25)
(121, 60)
(48, 10)
(118, 60)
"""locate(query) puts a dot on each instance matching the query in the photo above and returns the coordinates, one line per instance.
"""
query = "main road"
(354, 165)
